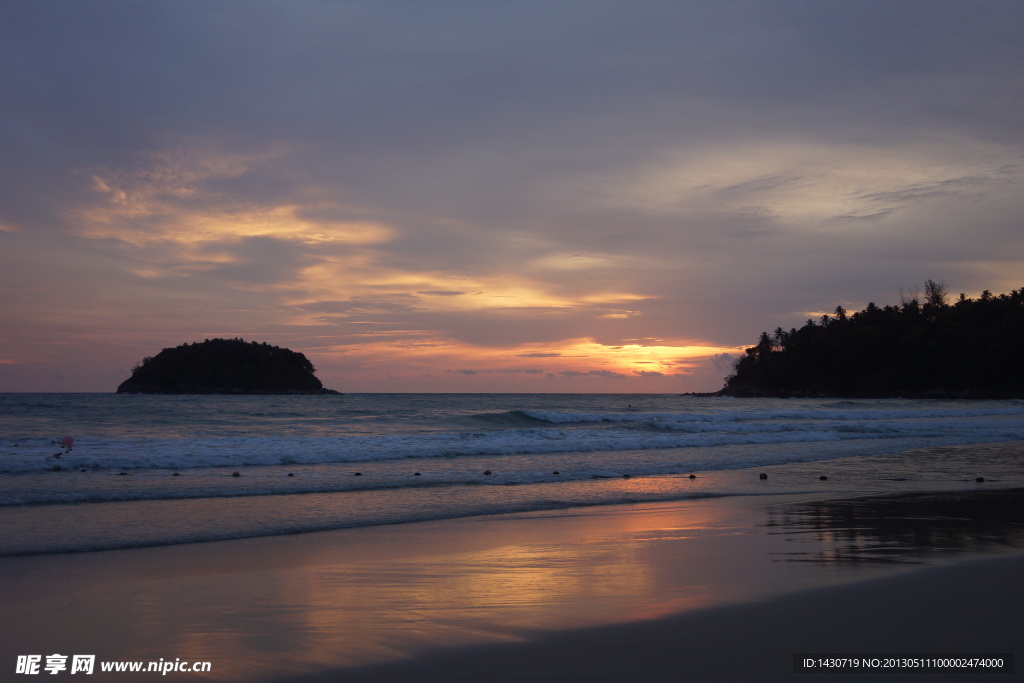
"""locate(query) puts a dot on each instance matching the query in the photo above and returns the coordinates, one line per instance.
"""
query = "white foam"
(639, 435)
(559, 417)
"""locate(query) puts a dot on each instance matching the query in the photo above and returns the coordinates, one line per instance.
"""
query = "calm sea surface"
(149, 470)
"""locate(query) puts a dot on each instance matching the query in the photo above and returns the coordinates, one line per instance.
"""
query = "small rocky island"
(224, 366)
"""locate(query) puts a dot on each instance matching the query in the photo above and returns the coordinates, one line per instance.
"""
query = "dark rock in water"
(980, 479)
(176, 474)
(291, 474)
(487, 471)
(626, 476)
(763, 476)
(416, 474)
(357, 474)
(556, 472)
(823, 478)
(236, 474)
(224, 366)
(693, 476)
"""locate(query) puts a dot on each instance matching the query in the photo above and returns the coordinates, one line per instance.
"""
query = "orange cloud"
(169, 200)
(371, 314)
(578, 357)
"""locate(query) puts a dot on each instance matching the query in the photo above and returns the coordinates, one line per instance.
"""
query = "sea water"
(151, 470)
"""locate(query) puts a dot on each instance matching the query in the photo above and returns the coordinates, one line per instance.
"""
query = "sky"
(463, 196)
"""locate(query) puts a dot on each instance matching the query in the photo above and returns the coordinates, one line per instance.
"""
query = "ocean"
(154, 470)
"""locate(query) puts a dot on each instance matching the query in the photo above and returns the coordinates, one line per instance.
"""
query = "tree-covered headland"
(224, 366)
(926, 346)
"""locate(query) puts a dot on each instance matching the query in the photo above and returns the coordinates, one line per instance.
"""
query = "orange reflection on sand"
(365, 597)
(266, 608)
(551, 574)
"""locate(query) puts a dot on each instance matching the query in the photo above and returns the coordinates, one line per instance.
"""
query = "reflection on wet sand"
(913, 528)
(271, 608)
(282, 605)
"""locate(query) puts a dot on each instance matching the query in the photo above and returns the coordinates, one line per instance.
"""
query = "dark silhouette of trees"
(921, 347)
(218, 366)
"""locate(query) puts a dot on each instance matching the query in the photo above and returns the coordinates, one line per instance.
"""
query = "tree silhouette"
(973, 347)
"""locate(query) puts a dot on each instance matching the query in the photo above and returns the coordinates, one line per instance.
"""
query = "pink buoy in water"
(68, 441)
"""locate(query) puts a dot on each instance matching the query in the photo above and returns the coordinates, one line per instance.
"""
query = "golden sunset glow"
(281, 222)
(417, 219)
(354, 341)
(580, 358)
(327, 273)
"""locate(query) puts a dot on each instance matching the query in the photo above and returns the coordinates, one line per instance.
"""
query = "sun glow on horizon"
(412, 350)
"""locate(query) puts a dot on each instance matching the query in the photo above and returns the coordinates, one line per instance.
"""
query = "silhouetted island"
(224, 366)
(973, 348)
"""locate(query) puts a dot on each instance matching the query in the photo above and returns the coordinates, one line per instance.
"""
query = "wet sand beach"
(970, 609)
(716, 589)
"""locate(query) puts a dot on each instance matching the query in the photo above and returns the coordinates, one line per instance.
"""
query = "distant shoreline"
(230, 392)
(967, 395)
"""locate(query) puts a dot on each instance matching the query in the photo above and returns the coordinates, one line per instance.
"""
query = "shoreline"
(456, 594)
(747, 391)
(208, 506)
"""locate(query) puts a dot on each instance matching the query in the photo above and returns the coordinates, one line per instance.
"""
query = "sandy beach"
(972, 607)
(715, 589)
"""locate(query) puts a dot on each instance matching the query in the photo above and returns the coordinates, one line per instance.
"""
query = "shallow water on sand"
(152, 470)
(269, 608)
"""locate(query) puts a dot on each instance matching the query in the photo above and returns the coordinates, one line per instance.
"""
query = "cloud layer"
(456, 196)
